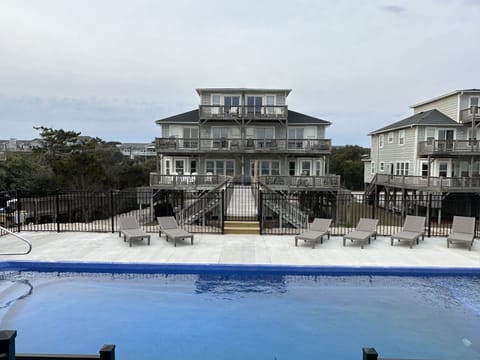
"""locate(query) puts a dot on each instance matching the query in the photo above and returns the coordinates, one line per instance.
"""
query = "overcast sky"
(110, 68)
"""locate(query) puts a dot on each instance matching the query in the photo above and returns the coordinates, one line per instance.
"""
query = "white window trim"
(400, 137)
(382, 166)
(381, 141)
(372, 168)
(390, 137)
(470, 100)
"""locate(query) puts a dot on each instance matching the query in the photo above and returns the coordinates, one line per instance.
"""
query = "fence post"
(429, 213)
(7, 344)
(374, 205)
(107, 352)
(369, 354)
(19, 208)
(57, 210)
(259, 211)
(112, 212)
(223, 211)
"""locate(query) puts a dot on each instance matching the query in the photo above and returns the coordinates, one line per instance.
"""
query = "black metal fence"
(279, 213)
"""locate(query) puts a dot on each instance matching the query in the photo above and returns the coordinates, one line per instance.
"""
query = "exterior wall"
(448, 106)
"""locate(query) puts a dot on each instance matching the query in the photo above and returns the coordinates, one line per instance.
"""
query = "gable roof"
(191, 117)
(456, 92)
(425, 118)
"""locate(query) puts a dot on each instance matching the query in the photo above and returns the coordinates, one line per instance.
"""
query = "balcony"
(470, 114)
(302, 183)
(187, 182)
(174, 145)
(449, 147)
(430, 183)
(270, 112)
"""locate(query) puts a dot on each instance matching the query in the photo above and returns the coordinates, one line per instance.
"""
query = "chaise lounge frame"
(365, 230)
(131, 230)
(413, 229)
(169, 226)
(463, 231)
(318, 229)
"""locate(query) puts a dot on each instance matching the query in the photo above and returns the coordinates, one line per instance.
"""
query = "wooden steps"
(241, 227)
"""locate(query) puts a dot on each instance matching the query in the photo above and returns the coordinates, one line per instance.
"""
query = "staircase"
(241, 211)
(245, 227)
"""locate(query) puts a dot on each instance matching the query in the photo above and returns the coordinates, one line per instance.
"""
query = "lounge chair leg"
(296, 241)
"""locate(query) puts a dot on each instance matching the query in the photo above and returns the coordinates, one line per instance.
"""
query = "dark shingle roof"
(425, 118)
(186, 117)
(293, 118)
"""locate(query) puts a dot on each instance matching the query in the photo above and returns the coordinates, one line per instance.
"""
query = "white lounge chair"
(413, 228)
(318, 229)
(463, 231)
(131, 230)
(169, 226)
(365, 230)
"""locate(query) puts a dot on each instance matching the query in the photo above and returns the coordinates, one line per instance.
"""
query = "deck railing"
(449, 147)
(243, 111)
(189, 145)
(470, 114)
(430, 183)
(301, 182)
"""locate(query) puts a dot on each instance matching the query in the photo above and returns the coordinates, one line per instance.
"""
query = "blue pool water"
(242, 316)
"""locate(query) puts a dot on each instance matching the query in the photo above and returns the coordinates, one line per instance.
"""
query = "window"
(425, 169)
(190, 137)
(215, 99)
(262, 135)
(390, 137)
(292, 167)
(318, 168)
(270, 103)
(215, 109)
(382, 166)
(402, 168)
(266, 167)
(372, 168)
(220, 167)
(443, 169)
(254, 104)
(473, 101)
(464, 169)
(306, 166)
(193, 166)
(430, 135)
(401, 137)
(167, 167)
(220, 135)
(231, 104)
(295, 138)
(179, 166)
(380, 140)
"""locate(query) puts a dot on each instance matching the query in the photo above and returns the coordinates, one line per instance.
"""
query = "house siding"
(448, 106)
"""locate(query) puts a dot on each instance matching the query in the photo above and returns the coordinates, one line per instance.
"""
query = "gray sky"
(110, 68)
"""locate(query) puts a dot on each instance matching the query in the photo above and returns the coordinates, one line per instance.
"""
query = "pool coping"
(177, 268)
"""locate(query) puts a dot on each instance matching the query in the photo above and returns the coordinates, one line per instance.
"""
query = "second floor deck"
(257, 112)
(449, 148)
(430, 183)
(173, 145)
(470, 114)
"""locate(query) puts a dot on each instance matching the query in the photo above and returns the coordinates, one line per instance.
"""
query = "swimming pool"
(205, 312)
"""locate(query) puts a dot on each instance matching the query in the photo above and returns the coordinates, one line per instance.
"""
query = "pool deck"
(239, 249)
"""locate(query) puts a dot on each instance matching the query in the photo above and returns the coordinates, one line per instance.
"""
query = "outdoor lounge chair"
(463, 231)
(365, 230)
(413, 228)
(169, 226)
(131, 230)
(318, 229)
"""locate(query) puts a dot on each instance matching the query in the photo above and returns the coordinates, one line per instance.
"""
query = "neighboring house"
(137, 150)
(244, 134)
(437, 149)
(15, 145)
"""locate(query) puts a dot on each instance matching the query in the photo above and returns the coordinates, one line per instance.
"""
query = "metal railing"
(449, 147)
(301, 182)
(243, 111)
(469, 114)
(29, 244)
(430, 183)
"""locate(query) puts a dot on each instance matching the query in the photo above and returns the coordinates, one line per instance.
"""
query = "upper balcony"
(173, 145)
(448, 148)
(430, 183)
(261, 112)
(470, 114)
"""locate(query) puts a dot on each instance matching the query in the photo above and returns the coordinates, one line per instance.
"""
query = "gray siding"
(448, 106)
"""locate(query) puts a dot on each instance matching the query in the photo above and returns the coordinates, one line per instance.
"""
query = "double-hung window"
(380, 141)
(401, 137)
(190, 137)
(390, 137)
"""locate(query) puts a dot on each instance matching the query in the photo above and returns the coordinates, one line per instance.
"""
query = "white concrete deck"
(238, 249)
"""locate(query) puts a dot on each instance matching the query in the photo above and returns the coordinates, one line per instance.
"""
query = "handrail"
(19, 237)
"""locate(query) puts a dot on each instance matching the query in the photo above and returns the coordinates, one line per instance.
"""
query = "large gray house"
(435, 151)
(245, 134)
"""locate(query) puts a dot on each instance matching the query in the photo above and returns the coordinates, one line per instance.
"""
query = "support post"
(107, 352)
(112, 213)
(7, 344)
(57, 210)
(369, 353)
